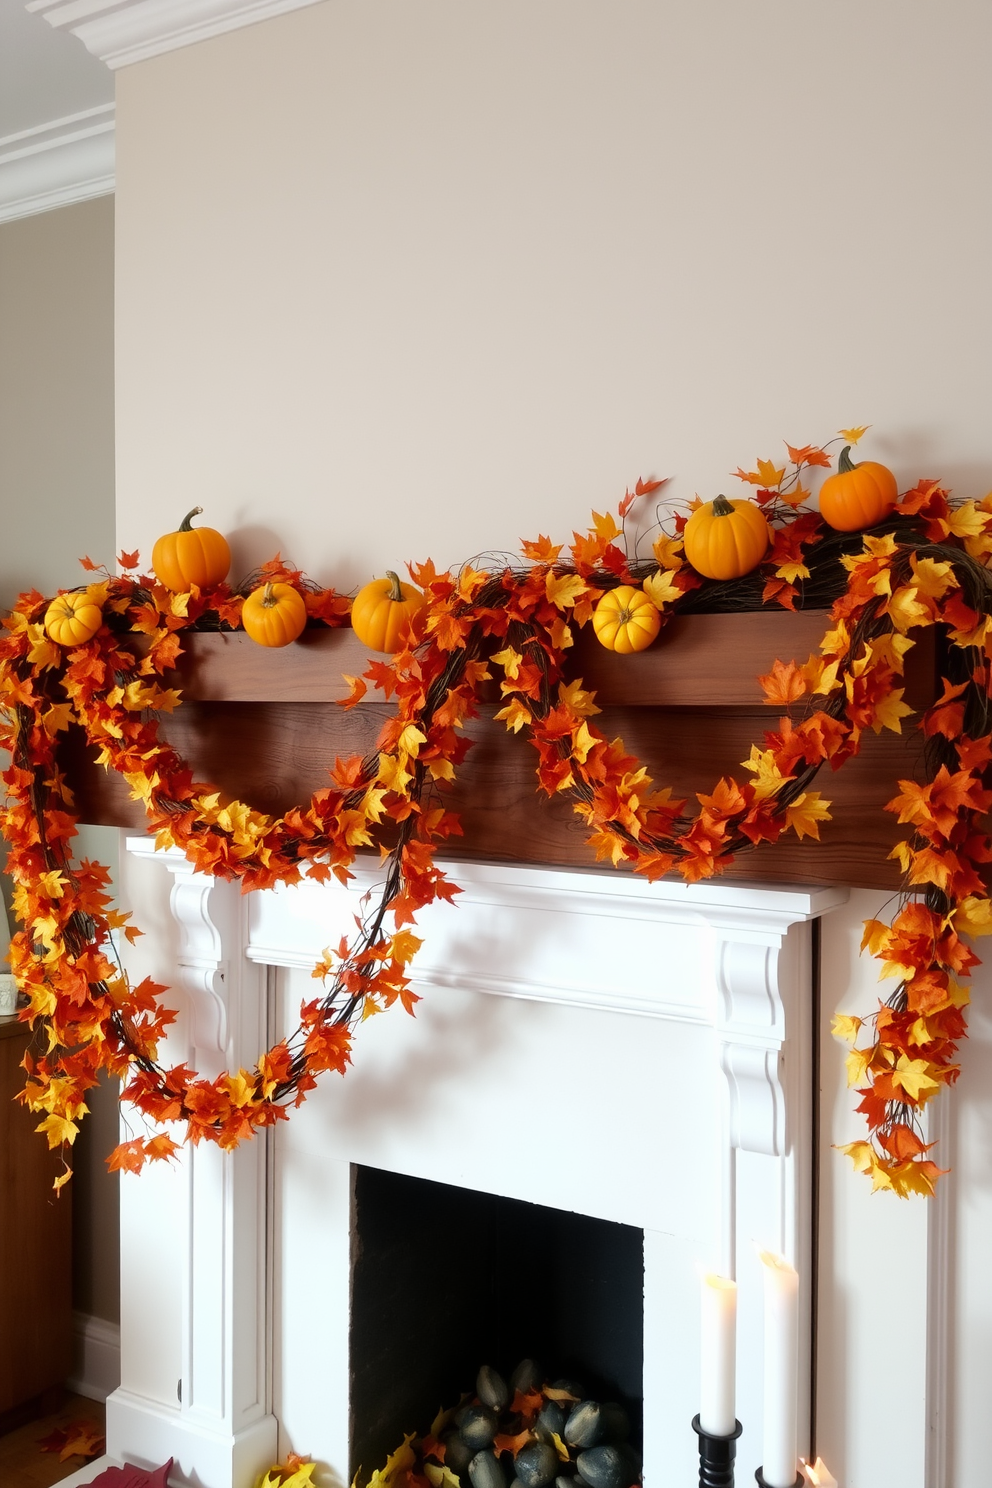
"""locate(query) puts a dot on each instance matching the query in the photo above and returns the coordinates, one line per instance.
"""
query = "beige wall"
(57, 503)
(398, 280)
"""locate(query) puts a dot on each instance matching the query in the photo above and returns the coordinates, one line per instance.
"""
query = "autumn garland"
(925, 566)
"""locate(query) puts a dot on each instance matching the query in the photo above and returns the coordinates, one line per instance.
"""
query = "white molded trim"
(123, 31)
(52, 165)
(96, 1356)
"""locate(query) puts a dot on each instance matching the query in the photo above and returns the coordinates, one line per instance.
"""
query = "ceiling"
(45, 74)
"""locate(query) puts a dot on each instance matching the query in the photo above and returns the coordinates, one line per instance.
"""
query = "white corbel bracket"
(198, 905)
(757, 983)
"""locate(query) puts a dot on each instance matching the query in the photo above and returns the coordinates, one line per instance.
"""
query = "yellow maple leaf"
(564, 591)
(845, 1026)
(241, 1088)
(853, 435)
(668, 551)
(876, 937)
(857, 1063)
(404, 945)
(973, 916)
(932, 578)
(606, 527)
(582, 742)
(890, 648)
(768, 474)
(661, 589)
(836, 642)
(441, 769)
(791, 571)
(862, 1154)
(410, 740)
(889, 710)
(966, 520)
(912, 1076)
(392, 774)
(768, 778)
(441, 1477)
(820, 676)
(58, 1129)
(806, 813)
(573, 695)
(515, 715)
(53, 884)
(42, 652)
(56, 718)
(509, 660)
(905, 609)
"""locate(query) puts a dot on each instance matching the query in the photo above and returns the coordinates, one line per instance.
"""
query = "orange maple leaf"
(783, 685)
(541, 551)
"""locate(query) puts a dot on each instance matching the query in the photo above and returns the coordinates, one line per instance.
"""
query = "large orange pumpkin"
(382, 610)
(73, 618)
(193, 555)
(726, 539)
(625, 620)
(857, 495)
(274, 614)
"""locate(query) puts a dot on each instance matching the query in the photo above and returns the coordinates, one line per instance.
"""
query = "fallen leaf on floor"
(74, 1439)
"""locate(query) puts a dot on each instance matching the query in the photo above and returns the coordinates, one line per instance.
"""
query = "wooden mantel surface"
(264, 725)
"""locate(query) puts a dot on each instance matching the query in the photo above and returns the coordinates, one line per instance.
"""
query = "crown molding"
(123, 31)
(54, 164)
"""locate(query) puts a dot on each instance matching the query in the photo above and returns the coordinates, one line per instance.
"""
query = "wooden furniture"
(35, 1250)
(264, 725)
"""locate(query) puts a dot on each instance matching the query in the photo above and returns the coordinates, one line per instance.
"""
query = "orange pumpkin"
(382, 610)
(625, 620)
(726, 539)
(193, 555)
(274, 614)
(857, 495)
(73, 618)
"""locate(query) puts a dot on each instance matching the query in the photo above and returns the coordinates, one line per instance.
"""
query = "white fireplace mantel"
(730, 961)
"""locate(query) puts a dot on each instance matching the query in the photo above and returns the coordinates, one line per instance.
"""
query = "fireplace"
(624, 1066)
(445, 1279)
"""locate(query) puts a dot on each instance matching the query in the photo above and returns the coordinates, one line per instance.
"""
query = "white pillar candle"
(780, 1466)
(717, 1403)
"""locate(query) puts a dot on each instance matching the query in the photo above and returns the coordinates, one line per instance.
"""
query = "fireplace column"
(219, 1428)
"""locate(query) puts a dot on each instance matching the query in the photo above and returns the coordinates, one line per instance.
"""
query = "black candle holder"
(716, 1456)
(760, 1480)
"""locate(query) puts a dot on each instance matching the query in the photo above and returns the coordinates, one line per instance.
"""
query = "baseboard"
(96, 1356)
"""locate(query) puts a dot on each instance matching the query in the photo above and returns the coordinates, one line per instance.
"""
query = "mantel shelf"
(264, 725)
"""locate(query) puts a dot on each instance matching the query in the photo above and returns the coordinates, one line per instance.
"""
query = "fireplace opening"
(446, 1279)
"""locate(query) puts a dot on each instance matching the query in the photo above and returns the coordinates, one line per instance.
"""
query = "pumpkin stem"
(184, 524)
(269, 600)
(845, 463)
(395, 588)
(722, 507)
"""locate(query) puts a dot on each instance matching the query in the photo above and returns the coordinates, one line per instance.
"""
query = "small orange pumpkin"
(73, 618)
(857, 495)
(726, 539)
(274, 614)
(193, 555)
(625, 620)
(382, 610)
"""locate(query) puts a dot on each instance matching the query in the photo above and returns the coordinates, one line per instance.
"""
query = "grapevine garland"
(924, 565)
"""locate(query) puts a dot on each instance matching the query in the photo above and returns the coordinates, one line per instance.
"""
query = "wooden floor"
(24, 1465)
